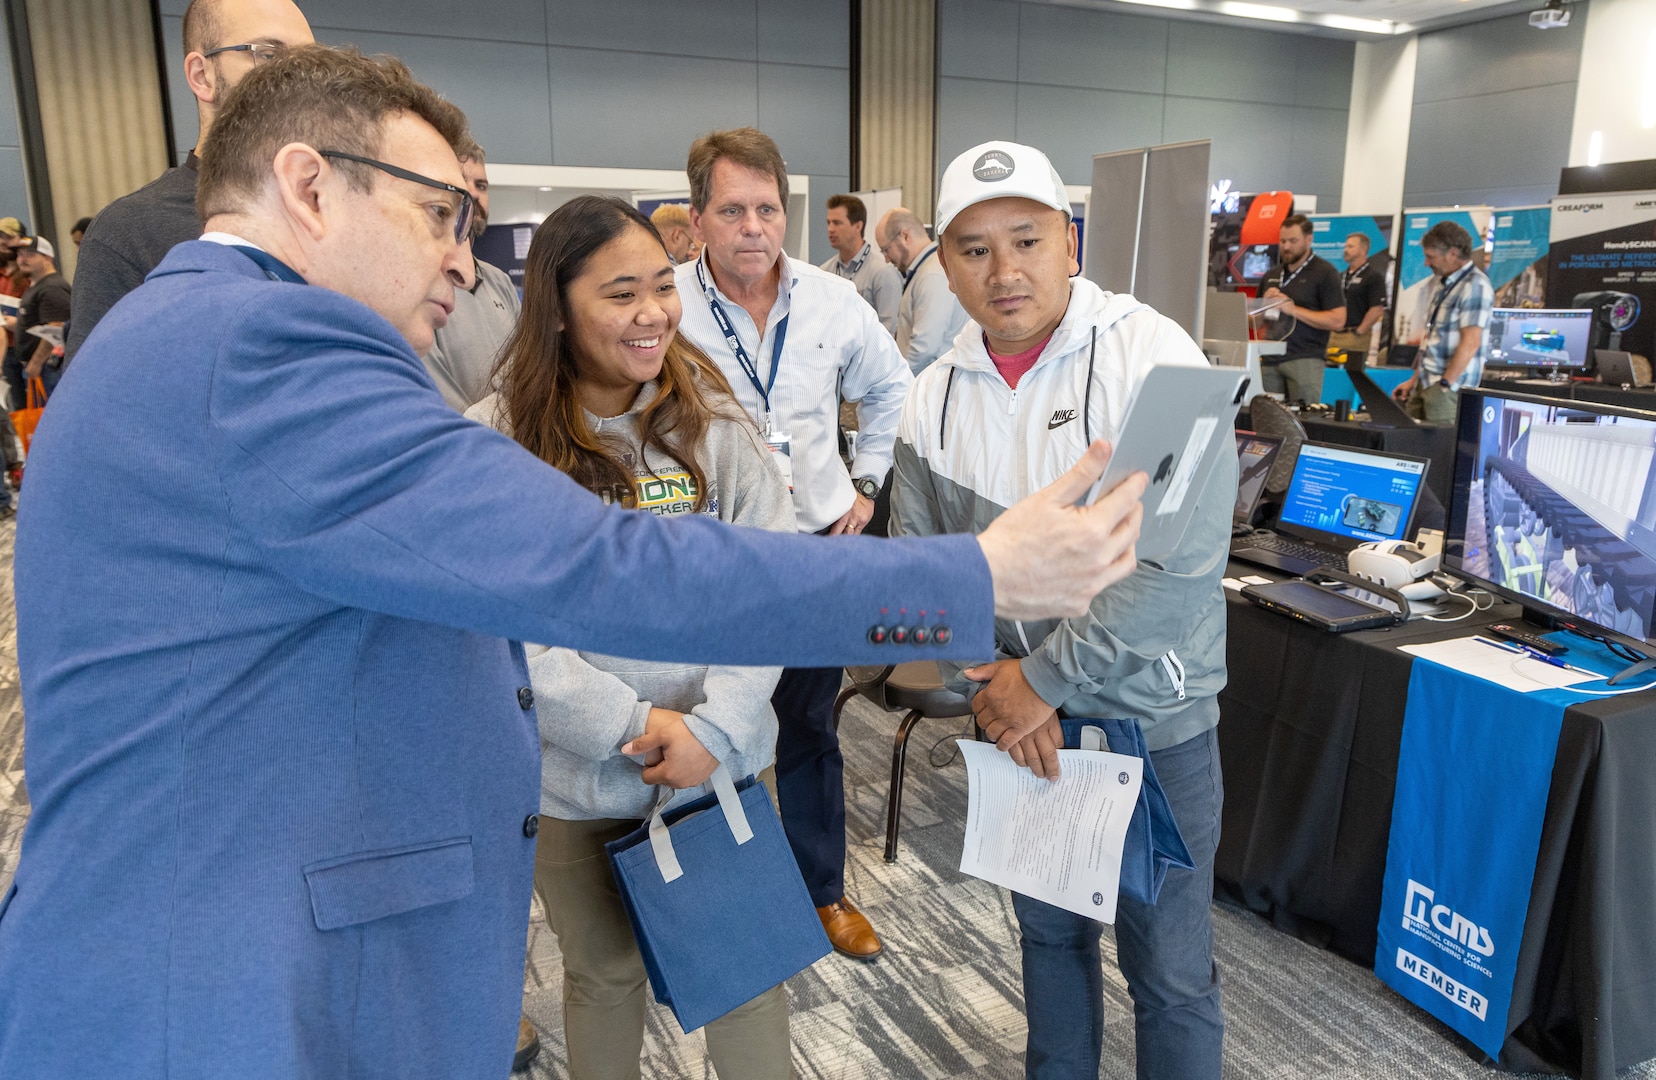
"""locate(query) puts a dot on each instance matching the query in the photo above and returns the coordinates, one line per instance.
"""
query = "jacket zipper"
(1175, 671)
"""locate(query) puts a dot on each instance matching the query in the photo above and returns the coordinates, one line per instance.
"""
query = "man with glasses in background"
(929, 316)
(223, 41)
(462, 359)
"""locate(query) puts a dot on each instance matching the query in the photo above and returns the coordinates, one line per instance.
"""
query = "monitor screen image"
(1555, 506)
(1540, 337)
(1356, 494)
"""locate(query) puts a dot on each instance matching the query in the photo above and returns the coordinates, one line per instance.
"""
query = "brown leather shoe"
(848, 930)
(528, 1045)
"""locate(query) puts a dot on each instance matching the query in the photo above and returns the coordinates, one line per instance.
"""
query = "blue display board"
(1413, 275)
(1329, 232)
(1518, 265)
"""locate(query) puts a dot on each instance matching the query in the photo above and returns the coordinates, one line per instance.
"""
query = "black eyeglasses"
(260, 51)
(462, 216)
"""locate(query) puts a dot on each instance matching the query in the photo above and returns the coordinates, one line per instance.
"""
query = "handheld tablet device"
(1329, 610)
(1177, 425)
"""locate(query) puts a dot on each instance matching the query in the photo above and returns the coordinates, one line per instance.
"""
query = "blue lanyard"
(918, 263)
(735, 343)
(275, 269)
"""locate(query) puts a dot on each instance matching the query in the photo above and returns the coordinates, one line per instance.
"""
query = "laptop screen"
(1255, 455)
(1342, 493)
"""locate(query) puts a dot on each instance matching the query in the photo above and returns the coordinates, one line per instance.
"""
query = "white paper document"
(48, 332)
(1058, 841)
(1521, 673)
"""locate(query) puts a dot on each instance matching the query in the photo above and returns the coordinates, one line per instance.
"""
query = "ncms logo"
(1419, 911)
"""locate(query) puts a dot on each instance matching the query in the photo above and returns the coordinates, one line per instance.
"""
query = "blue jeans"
(1165, 952)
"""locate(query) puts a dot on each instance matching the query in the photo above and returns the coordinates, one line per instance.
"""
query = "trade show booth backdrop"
(1329, 232)
(1413, 276)
(1518, 261)
(1603, 256)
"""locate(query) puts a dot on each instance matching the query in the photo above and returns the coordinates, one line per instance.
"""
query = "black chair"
(916, 687)
(1270, 417)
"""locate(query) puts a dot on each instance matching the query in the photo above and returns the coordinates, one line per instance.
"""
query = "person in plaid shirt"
(1453, 352)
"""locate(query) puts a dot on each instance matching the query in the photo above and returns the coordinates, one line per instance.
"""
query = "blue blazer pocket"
(372, 885)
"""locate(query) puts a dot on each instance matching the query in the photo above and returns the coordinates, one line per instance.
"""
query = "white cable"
(1454, 618)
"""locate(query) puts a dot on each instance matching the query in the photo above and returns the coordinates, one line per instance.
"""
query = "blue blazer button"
(877, 635)
(526, 698)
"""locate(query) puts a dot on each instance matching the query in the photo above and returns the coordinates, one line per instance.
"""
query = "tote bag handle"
(661, 841)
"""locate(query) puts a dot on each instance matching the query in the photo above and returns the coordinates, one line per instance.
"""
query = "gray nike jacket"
(968, 446)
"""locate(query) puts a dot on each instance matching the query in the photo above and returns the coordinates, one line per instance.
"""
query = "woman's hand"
(672, 755)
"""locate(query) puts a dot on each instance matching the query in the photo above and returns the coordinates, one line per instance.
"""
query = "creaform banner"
(1413, 275)
(1518, 265)
(1473, 773)
(1604, 257)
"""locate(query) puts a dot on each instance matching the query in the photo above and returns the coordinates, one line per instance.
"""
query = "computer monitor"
(1554, 507)
(1255, 454)
(1343, 494)
(1540, 337)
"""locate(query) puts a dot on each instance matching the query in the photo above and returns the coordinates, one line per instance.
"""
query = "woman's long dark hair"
(537, 369)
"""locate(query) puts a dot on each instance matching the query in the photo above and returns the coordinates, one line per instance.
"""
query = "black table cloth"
(1309, 736)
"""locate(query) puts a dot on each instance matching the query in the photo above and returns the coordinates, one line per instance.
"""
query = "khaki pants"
(1299, 379)
(1432, 403)
(1355, 346)
(604, 981)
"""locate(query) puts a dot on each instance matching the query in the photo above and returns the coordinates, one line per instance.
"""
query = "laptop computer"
(1339, 497)
(1255, 453)
(1382, 407)
(1618, 368)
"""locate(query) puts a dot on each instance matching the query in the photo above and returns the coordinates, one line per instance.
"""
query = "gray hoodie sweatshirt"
(589, 705)
(969, 446)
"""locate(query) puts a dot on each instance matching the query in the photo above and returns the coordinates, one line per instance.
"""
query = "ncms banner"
(1473, 773)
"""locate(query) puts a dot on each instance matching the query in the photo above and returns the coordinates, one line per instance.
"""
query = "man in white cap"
(1047, 363)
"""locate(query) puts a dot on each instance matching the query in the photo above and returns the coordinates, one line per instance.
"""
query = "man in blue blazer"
(281, 747)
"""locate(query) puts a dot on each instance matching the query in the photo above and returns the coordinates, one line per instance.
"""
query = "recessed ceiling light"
(1366, 26)
(1258, 11)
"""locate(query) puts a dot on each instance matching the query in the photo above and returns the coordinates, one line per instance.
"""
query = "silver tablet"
(1177, 425)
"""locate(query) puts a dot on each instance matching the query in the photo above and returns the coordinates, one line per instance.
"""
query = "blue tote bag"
(716, 901)
(1154, 843)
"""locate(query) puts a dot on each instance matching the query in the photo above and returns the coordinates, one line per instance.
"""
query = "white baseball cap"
(998, 170)
(38, 243)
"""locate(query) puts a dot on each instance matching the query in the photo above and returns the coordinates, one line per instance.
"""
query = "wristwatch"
(1443, 381)
(866, 486)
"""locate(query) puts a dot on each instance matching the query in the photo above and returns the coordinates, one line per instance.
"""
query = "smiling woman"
(597, 381)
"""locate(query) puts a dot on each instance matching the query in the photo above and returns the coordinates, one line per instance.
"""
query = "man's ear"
(1074, 249)
(199, 77)
(305, 184)
(695, 226)
(943, 261)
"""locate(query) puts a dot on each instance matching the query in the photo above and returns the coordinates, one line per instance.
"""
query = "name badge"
(782, 453)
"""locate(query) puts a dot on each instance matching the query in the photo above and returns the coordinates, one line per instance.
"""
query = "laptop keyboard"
(1299, 549)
